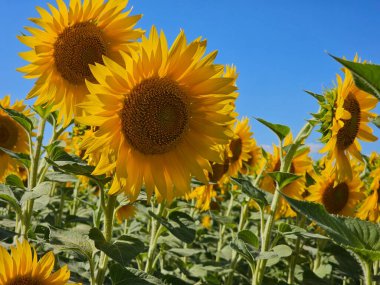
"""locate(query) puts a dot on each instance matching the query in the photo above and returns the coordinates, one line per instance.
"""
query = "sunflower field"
(132, 166)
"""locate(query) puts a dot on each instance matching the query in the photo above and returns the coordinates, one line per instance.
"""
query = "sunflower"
(66, 41)
(370, 208)
(240, 146)
(344, 117)
(206, 222)
(300, 165)
(159, 116)
(338, 196)
(204, 195)
(22, 267)
(255, 162)
(125, 212)
(12, 137)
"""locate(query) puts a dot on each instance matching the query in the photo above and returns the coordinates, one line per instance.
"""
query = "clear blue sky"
(279, 47)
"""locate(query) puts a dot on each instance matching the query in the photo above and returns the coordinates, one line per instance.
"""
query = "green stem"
(222, 229)
(293, 258)
(108, 225)
(285, 166)
(75, 198)
(367, 270)
(61, 206)
(155, 234)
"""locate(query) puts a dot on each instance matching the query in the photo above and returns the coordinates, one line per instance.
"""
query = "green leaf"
(241, 248)
(7, 195)
(310, 278)
(280, 130)
(128, 275)
(40, 190)
(282, 250)
(6, 234)
(376, 121)
(249, 237)
(15, 181)
(23, 158)
(283, 178)
(319, 97)
(20, 118)
(366, 76)
(186, 251)
(179, 224)
(123, 250)
(60, 177)
(253, 192)
(361, 237)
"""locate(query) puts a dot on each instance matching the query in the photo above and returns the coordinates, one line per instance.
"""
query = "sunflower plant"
(132, 166)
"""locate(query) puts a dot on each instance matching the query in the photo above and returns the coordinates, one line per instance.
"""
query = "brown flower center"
(236, 148)
(218, 170)
(347, 134)
(24, 280)
(155, 116)
(77, 47)
(335, 198)
(8, 133)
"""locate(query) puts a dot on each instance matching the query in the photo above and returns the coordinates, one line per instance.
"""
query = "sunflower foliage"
(132, 167)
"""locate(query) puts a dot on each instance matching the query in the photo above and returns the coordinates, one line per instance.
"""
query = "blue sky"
(279, 48)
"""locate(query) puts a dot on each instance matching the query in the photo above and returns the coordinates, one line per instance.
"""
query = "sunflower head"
(338, 196)
(69, 38)
(370, 208)
(22, 267)
(12, 136)
(344, 116)
(159, 116)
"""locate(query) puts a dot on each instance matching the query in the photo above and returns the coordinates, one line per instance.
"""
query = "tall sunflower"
(240, 147)
(344, 117)
(22, 267)
(159, 116)
(66, 41)
(370, 209)
(300, 165)
(12, 136)
(338, 196)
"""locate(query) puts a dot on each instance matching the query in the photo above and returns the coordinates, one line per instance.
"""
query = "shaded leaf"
(20, 118)
(123, 250)
(253, 192)
(128, 275)
(7, 195)
(361, 237)
(14, 180)
(249, 237)
(23, 158)
(283, 178)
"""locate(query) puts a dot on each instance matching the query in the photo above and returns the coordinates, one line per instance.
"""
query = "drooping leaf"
(23, 158)
(7, 195)
(361, 237)
(40, 190)
(179, 224)
(280, 130)
(283, 178)
(123, 250)
(253, 192)
(128, 275)
(366, 76)
(20, 118)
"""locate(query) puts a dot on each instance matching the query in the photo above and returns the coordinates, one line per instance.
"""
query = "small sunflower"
(207, 222)
(66, 41)
(255, 162)
(338, 196)
(344, 117)
(125, 212)
(300, 165)
(22, 267)
(159, 116)
(240, 146)
(12, 137)
(370, 208)
(204, 195)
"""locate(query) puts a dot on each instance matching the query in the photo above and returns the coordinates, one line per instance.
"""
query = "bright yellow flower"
(204, 195)
(22, 267)
(370, 208)
(159, 116)
(12, 137)
(125, 212)
(347, 124)
(301, 164)
(255, 162)
(66, 41)
(206, 222)
(240, 146)
(339, 196)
